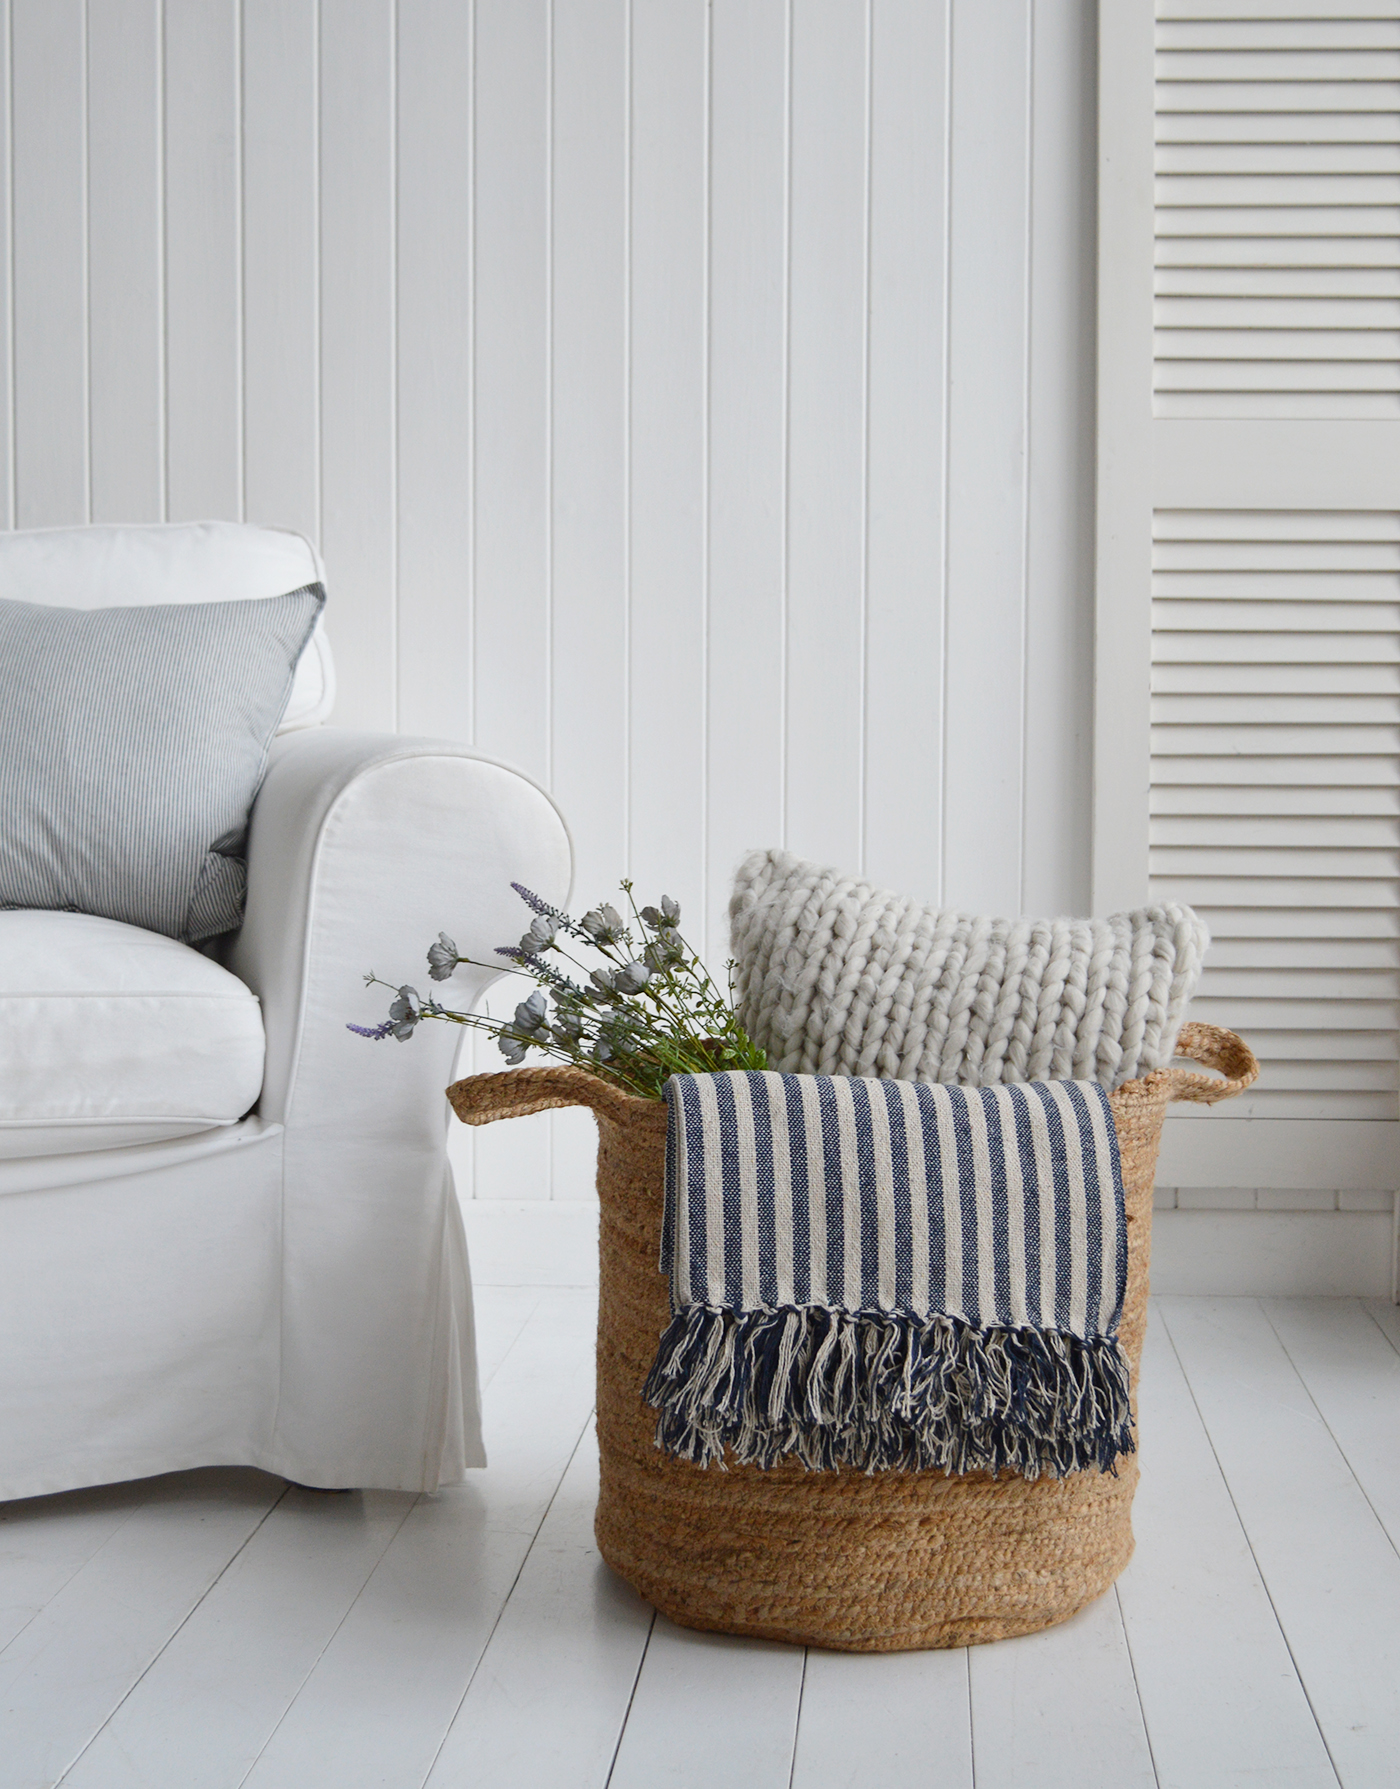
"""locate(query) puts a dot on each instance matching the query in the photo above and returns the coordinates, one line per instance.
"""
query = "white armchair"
(286, 1286)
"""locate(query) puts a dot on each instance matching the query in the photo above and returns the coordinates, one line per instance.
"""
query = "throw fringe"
(875, 1391)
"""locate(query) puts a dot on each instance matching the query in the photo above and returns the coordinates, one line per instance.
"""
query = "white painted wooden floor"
(218, 1628)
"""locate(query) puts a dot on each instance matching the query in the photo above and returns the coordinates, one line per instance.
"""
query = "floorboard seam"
(1249, 1542)
(1390, 1339)
(1327, 1425)
(505, 1600)
(81, 1566)
(161, 1650)
(1137, 1689)
(797, 1723)
(627, 1712)
(306, 1675)
(514, 1341)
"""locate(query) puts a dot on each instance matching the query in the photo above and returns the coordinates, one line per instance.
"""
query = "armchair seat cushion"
(111, 1036)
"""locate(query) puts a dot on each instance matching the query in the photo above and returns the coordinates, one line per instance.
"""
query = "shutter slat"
(1278, 96)
(1281, 954)
(1279, 891)
(1278, 710)
(1334, 1015)
(1314, 65)
(1302, 170)
(1243, 586)
(1295, 677)
(1299, 626)
(1221, 320)
(1269, 190)
(1242, 284)
(1277, 251)
(1309, 802)
(1300, 984)
(1291, 923)
(1276, 33)
(1331, 1047)
(1210, 834)
(1276, 127)
(1276, 788)
(1269, 777)
(1264, 341)
(1281, 741)
(1301, 159)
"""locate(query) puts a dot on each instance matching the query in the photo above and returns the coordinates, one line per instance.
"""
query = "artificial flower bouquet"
(641, 1010)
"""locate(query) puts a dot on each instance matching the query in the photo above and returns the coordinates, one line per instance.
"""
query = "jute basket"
(861, 1563)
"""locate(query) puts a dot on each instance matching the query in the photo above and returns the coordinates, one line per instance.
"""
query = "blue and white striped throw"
(887, 1274)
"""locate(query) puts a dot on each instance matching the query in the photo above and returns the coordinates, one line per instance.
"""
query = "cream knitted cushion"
(835, 977)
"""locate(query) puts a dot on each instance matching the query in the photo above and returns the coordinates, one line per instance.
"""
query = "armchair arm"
(361, 848)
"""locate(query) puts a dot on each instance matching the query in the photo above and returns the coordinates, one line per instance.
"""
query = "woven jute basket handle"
(517, 1092)
(1217, 1049)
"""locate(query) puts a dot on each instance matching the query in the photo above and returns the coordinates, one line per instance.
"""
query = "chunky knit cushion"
(835, 977)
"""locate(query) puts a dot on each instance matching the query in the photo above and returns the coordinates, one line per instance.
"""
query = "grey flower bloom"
(530, 1014)
(442, 957)
(602, 1050)
(602, 979)
(668, 916)
(405, 1011)
(632, 977)
(662, 952)
(511, 1047)
(539, 938)
(603, 924)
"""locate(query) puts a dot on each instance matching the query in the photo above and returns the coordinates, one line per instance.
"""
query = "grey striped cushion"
(132, 743)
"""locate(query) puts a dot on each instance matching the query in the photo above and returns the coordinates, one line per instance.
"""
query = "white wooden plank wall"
(691, 401)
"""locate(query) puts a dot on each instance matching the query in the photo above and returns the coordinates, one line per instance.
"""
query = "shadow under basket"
(861, 1563)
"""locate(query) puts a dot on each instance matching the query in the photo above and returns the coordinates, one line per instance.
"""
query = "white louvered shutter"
(1272, 478)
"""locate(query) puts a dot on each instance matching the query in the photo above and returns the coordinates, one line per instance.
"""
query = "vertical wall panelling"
(281, 359)
(50, 263)
(1059, 654)
(7, 393)
(588, 419)
(666, 466)
(203, 231)
(828, 307)
(690, 401)
(357, 351)
(588, 468)
(987, 401)
(126, 347)
(746, 559)
(434, 343)
(512, 665)
(902, 798)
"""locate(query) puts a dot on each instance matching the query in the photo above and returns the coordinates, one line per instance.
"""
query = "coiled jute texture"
(860, 1563)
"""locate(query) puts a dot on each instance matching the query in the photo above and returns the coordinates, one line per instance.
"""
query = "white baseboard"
(532, 1242)
(1273, 1253)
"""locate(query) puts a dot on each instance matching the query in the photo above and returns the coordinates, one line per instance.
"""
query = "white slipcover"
(111, 1036)
(290, 1291)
